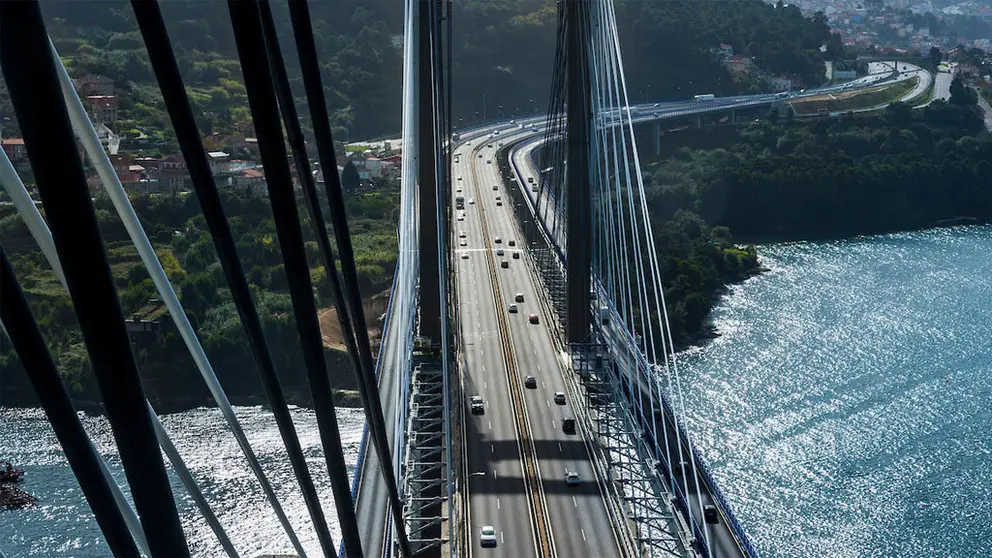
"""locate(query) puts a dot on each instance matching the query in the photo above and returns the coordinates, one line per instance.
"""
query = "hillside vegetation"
(896, 170)
(503, 52)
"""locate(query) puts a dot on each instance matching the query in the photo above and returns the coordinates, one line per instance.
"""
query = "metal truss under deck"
(630, 462)
(425, 469)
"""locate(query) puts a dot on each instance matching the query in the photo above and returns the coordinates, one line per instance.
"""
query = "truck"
(459, 202)
(706, 97)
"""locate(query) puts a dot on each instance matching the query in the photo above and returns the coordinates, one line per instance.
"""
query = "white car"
(571, 478)
(495, 188)
(471, 201)
(498, 240)
(463, 243)
(464, 255)
(462, 234)
(487, 537)
(459, 178)
(477, 404)
(461, 217)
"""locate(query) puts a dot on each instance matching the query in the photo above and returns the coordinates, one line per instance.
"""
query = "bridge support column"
(578, 226)
(657, 138)
(427, 183)
(699, 122)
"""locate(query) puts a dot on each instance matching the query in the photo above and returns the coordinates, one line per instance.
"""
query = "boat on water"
(12, 497)
(10, 474)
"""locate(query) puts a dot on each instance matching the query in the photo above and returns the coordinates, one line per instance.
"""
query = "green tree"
(349, 177)
(962, 95)
(935, 56)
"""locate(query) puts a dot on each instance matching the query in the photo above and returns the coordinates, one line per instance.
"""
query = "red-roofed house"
(94, 84)
(14, 148)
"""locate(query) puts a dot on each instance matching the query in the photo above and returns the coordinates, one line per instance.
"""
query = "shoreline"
(343, 399)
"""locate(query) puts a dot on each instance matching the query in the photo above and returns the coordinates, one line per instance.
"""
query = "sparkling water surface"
(62, 526)
(846, 408)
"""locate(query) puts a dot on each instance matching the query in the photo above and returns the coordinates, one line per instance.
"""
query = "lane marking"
(559, 447)
(574, 503)
(583, 531)
(494, 474)
(501, 537)
(485, 384)
(490, 425)
(492, 448)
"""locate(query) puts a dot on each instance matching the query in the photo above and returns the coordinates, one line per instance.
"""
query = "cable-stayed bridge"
(527, 277)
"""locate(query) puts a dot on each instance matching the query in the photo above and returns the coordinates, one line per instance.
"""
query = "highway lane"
(580, 523)
(495, 486)
(723, 542)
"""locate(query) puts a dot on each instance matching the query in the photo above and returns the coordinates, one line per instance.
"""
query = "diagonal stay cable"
(22, 329)
(163, 60)
(36, 225)
(44, 122)
(43, 236)
(250, 42)
(306, 48)
(352, 329)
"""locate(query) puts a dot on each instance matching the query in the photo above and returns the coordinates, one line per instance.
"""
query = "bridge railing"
(647, 370)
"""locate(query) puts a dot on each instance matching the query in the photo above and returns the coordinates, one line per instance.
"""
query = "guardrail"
(356, 481)
(647, 372)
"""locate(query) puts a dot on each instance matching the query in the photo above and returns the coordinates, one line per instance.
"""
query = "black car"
(709, 512)
(530, 382)
(568, 425)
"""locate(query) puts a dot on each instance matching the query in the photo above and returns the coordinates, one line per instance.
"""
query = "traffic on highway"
(511, 364)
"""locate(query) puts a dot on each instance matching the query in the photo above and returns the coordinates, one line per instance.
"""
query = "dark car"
(568, 425)
(709, 512)
(530, 382)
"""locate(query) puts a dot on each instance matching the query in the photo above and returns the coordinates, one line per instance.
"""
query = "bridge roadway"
(724, 543)
(579, 522)
(371, 497)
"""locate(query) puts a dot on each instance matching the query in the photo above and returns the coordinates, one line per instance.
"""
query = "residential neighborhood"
(234, 159)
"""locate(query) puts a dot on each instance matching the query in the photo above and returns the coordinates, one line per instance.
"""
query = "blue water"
(845, 410)
(62, 526)
(847, 406)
